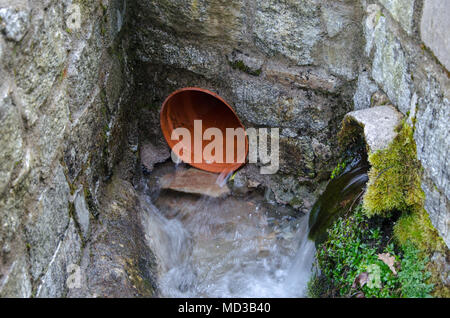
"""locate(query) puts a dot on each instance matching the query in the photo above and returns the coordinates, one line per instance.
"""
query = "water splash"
(229, 247)
(223, 178)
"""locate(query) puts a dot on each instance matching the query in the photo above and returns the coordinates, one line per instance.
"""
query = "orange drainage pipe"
(184, 106)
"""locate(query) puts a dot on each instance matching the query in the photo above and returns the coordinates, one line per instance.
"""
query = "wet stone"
(194, 181)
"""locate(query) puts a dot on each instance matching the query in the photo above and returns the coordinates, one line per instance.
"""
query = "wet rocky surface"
(194, 181)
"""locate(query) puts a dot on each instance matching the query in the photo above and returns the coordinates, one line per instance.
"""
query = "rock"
(14, 22)
(299, 150)
(194, 181)
(49, 110)
(47, 224)
(373, 15)
(379, 98)
(402, 11)
(212, 20)
(37, 71)
(117, 261)
(10, 137)
(280, 28)
(390, 68)
(337, 16)
(82, 213)
(151, 155)
(239, 183)
(433, 149)
(80, 151)
(434, 28)
(364, 91)
(379, 125)
(246, 63)
(303, 77)
(288, 132)
(16, 282)
(262, 103)
(52, 127)
(55, 282)
(82, 72)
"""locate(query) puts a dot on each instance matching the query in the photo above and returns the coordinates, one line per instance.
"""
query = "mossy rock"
(394, 179)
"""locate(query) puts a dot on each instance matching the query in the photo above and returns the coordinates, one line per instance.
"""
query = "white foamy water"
(233, 247)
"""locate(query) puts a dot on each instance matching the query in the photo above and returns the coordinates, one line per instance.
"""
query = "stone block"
(434, 29)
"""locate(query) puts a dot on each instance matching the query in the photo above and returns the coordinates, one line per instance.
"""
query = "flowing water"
(341, 195)
(234, 246)
(229, 247)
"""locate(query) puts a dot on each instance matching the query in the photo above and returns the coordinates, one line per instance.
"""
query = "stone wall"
(300, 66)
(77, 103)
(63, 88)
(286, 64)
(406, 56)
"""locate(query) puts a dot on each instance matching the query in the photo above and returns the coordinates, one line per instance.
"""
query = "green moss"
(240, 65)
(394, 178)
(351, 134)
(318, 286)
(338, 170)
(395, 185)
(296, 202)
(416, 227)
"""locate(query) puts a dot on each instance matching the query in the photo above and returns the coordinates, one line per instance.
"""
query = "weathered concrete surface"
(379, 125)
(195, 181)
(434, 28)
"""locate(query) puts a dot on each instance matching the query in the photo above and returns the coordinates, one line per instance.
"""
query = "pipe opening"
(187, 105)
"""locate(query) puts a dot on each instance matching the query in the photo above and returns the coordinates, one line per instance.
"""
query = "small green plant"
(338, 170)
(357, 261)
(413, 276)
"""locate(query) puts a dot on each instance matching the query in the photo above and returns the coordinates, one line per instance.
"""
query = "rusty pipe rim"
(180, 111)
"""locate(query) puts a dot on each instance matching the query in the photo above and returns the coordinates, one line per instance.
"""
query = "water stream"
(233, 246)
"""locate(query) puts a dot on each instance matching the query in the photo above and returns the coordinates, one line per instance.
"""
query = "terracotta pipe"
(184, 106)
